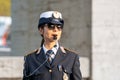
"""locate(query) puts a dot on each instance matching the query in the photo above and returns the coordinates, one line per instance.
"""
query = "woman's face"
(49, 31)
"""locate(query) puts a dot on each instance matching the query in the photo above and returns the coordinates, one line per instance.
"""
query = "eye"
(52, 26)
(59, 26)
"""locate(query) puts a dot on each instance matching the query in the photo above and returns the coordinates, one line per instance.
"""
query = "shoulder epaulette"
(62, 49)
(70, 50)
(34, 51)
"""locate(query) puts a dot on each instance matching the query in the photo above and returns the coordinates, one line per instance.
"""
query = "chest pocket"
(67, 69)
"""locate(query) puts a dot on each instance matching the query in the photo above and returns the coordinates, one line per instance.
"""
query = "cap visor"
(55, 21)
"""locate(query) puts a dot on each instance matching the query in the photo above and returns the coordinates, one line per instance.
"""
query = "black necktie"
(49, 53)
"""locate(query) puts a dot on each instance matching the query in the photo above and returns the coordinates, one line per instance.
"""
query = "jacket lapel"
(42, 57)
(60, 55)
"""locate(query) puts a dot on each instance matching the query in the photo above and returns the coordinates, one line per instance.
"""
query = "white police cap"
(53, 17)
(49, 14)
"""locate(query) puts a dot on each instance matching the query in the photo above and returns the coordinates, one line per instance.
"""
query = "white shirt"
(55, 48)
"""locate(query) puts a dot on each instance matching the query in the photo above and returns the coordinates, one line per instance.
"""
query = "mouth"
(54, 36)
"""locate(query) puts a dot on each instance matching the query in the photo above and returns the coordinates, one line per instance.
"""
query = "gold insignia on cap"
(56, 14)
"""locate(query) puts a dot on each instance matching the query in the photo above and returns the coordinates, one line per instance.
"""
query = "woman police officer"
(51, 61)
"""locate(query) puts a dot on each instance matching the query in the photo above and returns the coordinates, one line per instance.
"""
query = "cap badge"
(56, 14)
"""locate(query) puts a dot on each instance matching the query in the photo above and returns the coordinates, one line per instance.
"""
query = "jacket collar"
(60, 56)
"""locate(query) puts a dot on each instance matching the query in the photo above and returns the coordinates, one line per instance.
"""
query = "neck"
(49, 45)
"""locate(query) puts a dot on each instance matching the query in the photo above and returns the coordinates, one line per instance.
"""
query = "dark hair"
(42, 41)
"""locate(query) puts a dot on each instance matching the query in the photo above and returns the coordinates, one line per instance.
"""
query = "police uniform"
(64, 66)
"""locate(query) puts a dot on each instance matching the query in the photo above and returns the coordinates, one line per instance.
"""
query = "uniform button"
(50, 70)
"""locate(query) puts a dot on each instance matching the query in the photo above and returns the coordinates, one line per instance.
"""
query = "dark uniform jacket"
(65, 66)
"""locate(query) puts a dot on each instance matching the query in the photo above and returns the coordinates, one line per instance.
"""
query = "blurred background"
(91, 29)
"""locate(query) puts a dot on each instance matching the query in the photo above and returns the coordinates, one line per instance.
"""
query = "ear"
(41, 31)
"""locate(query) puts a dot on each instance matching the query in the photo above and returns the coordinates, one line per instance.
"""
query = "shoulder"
(72, 54)
(69, 51)
(32, 52)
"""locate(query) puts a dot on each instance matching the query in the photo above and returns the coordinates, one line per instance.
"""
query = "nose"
(55, 28)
